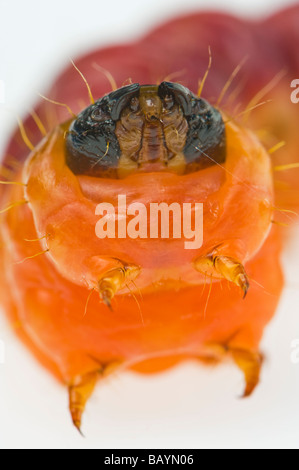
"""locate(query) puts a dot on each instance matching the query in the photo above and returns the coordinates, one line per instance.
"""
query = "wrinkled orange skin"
(181, 315)
(49, 293)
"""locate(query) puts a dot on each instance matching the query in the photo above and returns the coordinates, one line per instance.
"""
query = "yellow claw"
(223, 267)
(233, 271)
(115, 280)
(79, 393)
(82, 387)
(250, 363)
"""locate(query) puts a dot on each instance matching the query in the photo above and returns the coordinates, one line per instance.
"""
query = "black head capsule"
(144, 129)
(206, 138)
(92, 147)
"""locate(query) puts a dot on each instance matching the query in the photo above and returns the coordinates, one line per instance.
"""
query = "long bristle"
(92, 101)
(203, 81)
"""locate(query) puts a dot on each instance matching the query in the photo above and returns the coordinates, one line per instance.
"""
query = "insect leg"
(115, 280)
(250, 363)
(79, 393)
(223, 267)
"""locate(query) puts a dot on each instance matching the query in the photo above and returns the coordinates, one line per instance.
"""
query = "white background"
(190, 406)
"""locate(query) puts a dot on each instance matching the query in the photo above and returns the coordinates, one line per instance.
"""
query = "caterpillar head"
(146, 128)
